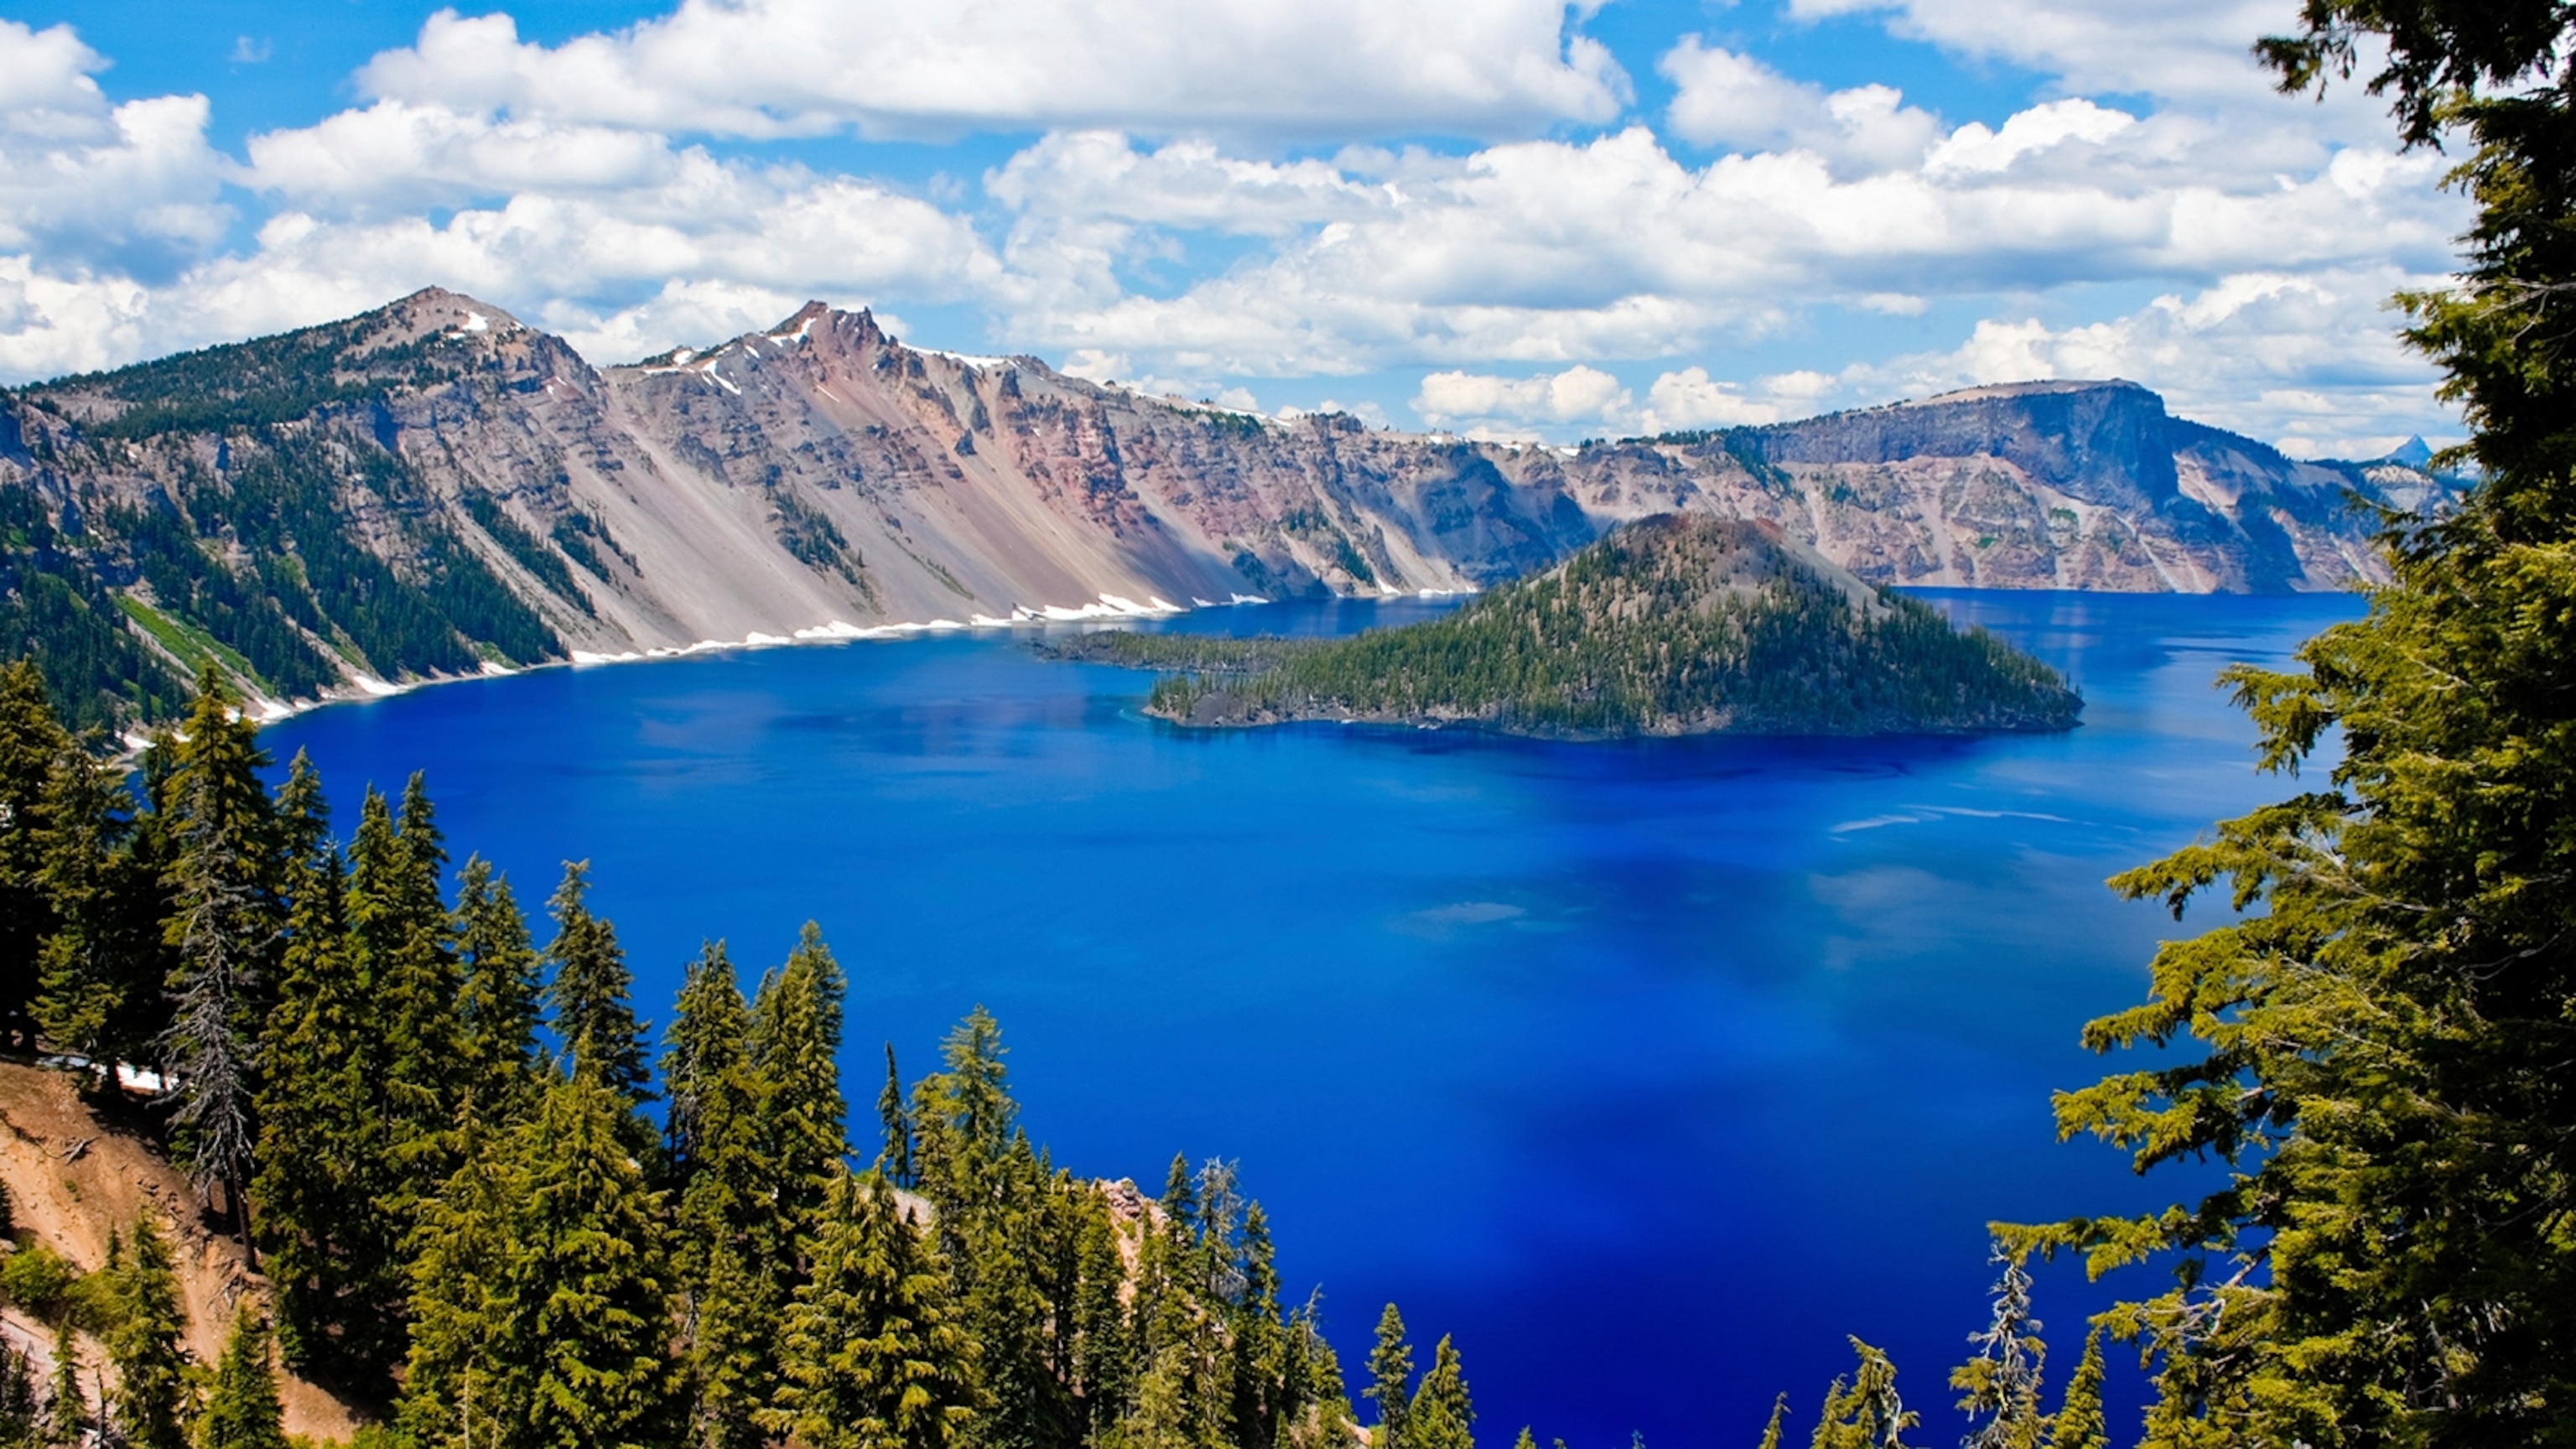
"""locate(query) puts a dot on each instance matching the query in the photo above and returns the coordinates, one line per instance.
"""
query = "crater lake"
(1648, 1071)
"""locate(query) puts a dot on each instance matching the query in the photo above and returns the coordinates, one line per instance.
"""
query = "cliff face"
(433, 487)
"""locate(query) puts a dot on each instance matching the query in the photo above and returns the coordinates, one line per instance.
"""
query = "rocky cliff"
(434, 488)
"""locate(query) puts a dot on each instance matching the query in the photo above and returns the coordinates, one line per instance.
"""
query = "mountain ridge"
(434, 488)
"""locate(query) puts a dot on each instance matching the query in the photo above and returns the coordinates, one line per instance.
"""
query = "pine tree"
(873, 1356)
(143, 1340)
(2001, 1385)
(31, 739)
(795, 1048)
(2371, 1039)
(225, 925)
(589, 1313)
(497, 1010)
(66, 1420)
(465, 1386)
(1263, 1382)
(1442, 1416)
(895, 1158)
(734, 1263)
(1318, 1409)
(242, 1410)
(1771, 1430)
(594, 1016)
(326, 1141)
(403, 937)
(21, 1406)
(1390, 1367)
(102, 970)
(2079, 1423)
(1864, 1411)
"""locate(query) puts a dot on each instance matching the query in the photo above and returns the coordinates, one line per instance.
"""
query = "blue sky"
(1495, 217)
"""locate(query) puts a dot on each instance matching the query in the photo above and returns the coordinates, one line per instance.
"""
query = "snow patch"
(377, 687)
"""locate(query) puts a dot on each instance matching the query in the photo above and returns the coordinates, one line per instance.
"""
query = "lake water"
(1647, 1071)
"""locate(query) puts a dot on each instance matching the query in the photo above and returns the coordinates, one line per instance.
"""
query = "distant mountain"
(432, 489)
(1671, 626)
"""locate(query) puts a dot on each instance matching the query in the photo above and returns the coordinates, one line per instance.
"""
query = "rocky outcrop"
(822, 476)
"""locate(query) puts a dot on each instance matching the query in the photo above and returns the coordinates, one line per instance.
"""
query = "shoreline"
(1109, 608)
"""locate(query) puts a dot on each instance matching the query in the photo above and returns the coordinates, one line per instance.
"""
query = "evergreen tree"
(1864, 1412)
(242, 1410)
(873, 1356)
(2079, 1423)
(2375, 1033)
(1771, 1430)
(594, 1016)
(1442, 1416)
(30, 741)
(1101, 1362)
(2001, 1385)
(589, 1315)
(465, 1385)
(144, 1336)
(734, 1262)
(1316, 1411)
(402, 934)
(895, 1158)
(21, 1406)
(102, 970)
(66, 1420)
(795, 1045)
(1390, 1367)
(225, 925)
(326, 1141)
(1263, 1380)
(497, 1010)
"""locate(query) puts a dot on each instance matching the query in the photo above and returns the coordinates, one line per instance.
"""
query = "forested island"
(1675, 625)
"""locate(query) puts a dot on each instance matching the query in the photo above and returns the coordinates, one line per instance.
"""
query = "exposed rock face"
(821, 471)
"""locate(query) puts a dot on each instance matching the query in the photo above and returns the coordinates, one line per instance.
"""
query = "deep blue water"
(1647, 1071)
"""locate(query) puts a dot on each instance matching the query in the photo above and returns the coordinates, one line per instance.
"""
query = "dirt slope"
(74, 1178)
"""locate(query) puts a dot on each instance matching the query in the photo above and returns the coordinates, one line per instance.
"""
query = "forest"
(1672, 625)
(492, 1210)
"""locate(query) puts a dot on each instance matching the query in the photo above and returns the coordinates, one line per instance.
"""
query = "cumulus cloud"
(1560, 252)
(130, 187)
(2191, 49)
(1485, 403)
(2310, 363)
(1156, 230)
(761, 68)
(1723, 98)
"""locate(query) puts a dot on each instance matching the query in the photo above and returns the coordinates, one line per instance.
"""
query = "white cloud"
(131, 187)
(1723, 98)
(2310, 362)
(1481, 401)
(2175, 48)
(560, 182)
(757, 68)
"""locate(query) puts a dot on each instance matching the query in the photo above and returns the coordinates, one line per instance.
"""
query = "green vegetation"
(1671, 626)
(2373, 1046)
(529, 550)
(241, 505)
(434, 1133)
(253, 385)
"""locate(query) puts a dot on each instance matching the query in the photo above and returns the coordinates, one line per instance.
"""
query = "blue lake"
(1646, 1071)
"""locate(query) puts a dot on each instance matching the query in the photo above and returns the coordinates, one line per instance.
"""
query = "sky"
(1497, 218)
